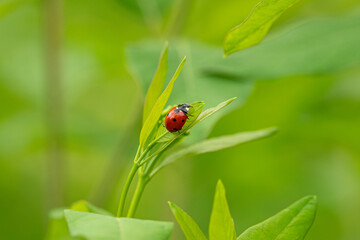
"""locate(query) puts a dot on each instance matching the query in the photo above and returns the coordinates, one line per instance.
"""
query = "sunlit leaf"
(193, 84)
(221, 223)
(97, 227)
(255, 27)
(215, 144)
(293, 223)
(208, 112)
(57, 227)
(158, 107)
(157, 83)
(187, 224)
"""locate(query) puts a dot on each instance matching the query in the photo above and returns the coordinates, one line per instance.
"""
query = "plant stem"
(136, 198)
(126, 189)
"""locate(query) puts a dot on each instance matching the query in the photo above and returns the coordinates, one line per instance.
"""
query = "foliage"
(289, 224)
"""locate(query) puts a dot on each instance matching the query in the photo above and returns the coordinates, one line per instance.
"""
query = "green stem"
(126, 189)
(137, 195)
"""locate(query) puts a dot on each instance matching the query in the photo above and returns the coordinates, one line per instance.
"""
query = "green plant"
(158, 148)
(291, 223)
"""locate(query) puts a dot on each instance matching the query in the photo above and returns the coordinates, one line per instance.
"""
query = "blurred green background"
(304, 78)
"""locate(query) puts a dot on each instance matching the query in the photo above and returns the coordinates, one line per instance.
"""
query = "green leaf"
(221, 223)
(98, 227)
(292, 223)
(158, 107)
(193, 84)
(157, 83)
(215, 144)
(187, 224)
(321, 46)
(254, 28)
(57, 227)
(193, 114)
(208, 112)
(84, 206)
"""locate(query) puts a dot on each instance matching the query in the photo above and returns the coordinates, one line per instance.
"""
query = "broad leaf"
(215, 144)
(157, 83)
(191, 230)
(292, 223)
(98, 227)
(57, 227)
(221, 223)
(315, 46)
(158, 107)
(255, 27)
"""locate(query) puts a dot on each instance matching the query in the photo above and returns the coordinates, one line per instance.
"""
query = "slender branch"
(126, 190)
(53, 12)
(137, 195)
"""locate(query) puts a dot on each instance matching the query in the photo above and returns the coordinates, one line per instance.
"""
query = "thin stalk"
(137, 195)
(126, 189)
(142, 182)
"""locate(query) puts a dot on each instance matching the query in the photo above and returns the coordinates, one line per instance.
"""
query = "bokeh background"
(84, 110)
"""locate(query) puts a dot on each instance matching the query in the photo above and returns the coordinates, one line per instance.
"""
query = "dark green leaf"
(293, 223)
(187, 224)
(255, 27)
(98, 227)
(221, 223)
(157, 83)
(158, 107)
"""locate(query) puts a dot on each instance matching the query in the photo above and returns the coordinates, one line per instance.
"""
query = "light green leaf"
(215, 144)
(221, 223)
(315, 46)
(257, 24)
(193, 114)
(208, 112)
(57, 227)
(98, 227)
(158, 107)
(293, 223)
(193, 84)
(157, 83)
(168, 137)
(191, 230)
(84, 206)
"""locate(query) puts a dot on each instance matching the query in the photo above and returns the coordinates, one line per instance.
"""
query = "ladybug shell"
(175, 120)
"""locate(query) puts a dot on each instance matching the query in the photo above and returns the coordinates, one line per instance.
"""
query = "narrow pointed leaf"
(158, 107)
(215, 144)
(292, 223)
(208, 112)
(189, 227)
(98, 227)
(157, 83)
(221, 223)
(255, 27)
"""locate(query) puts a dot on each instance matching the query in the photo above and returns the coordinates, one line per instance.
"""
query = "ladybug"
(176, 117)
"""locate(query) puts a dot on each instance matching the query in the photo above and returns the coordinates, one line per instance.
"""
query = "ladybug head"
(184, 107)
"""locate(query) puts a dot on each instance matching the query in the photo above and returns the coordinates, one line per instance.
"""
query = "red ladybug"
(176, 117)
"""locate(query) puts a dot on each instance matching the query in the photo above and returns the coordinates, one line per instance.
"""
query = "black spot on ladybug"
(183, 120)
(175, 129)
(167, 115)
(174, 119)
